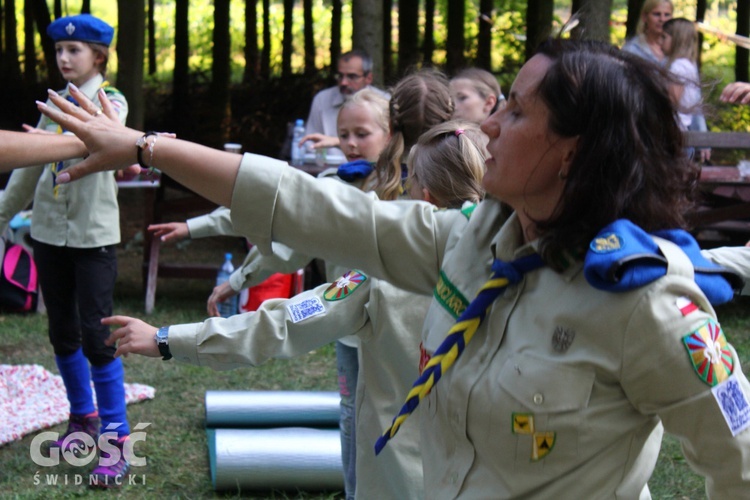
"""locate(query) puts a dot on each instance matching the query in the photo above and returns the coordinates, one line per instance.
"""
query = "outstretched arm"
(112, 146)
(20, 149)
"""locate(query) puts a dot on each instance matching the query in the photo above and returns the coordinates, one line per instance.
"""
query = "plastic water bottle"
(229, 306)
(298, 152)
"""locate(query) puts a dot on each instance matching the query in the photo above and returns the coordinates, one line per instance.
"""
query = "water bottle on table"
(229, 306)
(298, 151)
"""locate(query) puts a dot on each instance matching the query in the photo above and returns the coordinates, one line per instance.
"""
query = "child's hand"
(320, 141)
(132, 336)
(170, 231)
(220, 294)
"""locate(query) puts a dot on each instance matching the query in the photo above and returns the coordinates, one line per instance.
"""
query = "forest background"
(241, 70)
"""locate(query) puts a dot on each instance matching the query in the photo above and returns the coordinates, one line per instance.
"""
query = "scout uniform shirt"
(388, 322)
(81, 214)
(564, 389)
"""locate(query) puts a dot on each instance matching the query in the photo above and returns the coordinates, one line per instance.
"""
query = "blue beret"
(81, 28)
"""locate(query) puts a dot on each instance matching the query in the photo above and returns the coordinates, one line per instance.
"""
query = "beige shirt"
(521, 415)
(386, 319)
(81, 214)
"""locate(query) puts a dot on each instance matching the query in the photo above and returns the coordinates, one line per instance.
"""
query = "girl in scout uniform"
(596, 331)
(75, 229)
(446, 168)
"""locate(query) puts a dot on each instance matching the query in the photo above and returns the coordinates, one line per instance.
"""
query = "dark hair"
(363, 55)
(629, 162)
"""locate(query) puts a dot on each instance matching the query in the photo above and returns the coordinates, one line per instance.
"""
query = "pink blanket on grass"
(32, 398)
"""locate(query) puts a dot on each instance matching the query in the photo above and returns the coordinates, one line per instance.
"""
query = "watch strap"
(162, 341)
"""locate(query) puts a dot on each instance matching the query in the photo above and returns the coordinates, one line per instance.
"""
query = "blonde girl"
(418, 102)
(476, 94)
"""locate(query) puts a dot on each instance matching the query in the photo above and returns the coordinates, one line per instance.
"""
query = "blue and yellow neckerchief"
(55, 168)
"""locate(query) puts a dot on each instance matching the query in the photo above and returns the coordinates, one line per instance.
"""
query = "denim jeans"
(348, 368)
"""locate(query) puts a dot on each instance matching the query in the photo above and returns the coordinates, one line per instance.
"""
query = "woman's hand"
(170, 231)
(111, 145)
(132, 336)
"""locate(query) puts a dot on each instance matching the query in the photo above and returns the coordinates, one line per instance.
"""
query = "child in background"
(476, 95)
(387, 319)
(75, 229)
(680, 46)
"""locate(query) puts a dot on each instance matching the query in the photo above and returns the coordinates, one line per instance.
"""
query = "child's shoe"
(112, 470)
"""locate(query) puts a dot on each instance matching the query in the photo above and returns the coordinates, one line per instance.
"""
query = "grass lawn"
(176, 449)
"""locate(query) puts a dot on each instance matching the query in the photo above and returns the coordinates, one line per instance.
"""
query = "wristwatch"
(162, 340)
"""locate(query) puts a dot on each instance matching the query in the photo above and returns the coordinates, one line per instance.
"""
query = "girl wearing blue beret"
(74, 230)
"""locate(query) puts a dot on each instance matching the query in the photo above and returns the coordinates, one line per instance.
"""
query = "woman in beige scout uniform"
(446, 167)
(565, 389)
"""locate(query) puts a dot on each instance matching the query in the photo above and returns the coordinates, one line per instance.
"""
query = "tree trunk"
(151, 38)
(287, 43)
(265, 62)
(743, 28)
(538, 23)
(42, 20)
(309, 37)
(387, 45)
(86, 7)
(130, 47)
(251, 41)
(408, 30)
(700, 15)
(58, 9)
(29, 47)
(220, 52)
(455, 44)
(428, 44)
(366, 35)
(634, 14)
(181, 79)
(484, 38)
(335, 33)
(594, 19)
(12, 69)
(220, 80)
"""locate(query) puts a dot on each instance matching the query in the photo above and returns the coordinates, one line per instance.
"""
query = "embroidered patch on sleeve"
(733, 403)
(685, 305)
(710, 353)
(448, 295)
(305, 309)
(344, 286)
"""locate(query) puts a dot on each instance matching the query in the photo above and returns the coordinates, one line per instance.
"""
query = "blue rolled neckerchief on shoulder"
(354, 170)
(623, 257)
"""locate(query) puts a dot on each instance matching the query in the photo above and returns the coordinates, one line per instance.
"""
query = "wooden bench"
(724, 215)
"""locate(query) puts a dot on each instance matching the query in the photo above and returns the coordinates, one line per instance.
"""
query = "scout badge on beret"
(81, 28)
(623, 257)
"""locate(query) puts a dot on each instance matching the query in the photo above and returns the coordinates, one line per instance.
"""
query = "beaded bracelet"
(140, 145)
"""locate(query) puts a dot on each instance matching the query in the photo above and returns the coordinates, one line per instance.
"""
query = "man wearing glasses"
(354, 73)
